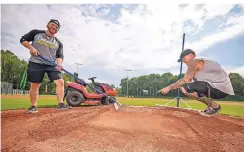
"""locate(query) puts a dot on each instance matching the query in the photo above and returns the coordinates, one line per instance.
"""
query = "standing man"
(210, 82)
(46, 44)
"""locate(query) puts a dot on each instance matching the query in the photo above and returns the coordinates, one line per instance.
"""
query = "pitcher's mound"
(101, 129)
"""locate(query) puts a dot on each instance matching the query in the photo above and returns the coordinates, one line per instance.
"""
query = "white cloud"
(214, 10)
(147, 38)
(239, 70)
(237, 27)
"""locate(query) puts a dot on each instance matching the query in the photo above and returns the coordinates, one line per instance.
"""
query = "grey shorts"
(36, 72)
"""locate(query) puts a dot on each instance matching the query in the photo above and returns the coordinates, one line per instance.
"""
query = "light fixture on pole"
(127, 70)
(77, 64)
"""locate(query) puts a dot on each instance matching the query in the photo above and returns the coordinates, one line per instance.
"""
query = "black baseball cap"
(186, 52)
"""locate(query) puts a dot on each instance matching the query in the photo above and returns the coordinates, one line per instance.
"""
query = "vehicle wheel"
(74, 97)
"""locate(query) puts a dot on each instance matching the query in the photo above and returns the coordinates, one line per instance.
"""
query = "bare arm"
(25, 39)
(59, 61)
(59, 54)
(27, 45)
(190, 73)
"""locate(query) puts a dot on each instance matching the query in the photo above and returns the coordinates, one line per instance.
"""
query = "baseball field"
(139, 126)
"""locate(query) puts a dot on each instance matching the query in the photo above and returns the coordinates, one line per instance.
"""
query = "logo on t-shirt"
(50, 44)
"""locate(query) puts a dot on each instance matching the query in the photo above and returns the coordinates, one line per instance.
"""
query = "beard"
(51, 31)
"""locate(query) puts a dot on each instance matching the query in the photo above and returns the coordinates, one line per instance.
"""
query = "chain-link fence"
(7, 89)
(20, 92)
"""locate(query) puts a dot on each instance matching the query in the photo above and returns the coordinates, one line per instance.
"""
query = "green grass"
(228, 108)
(15, 103)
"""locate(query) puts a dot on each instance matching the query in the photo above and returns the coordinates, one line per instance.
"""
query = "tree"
(12, 68)
(238, 83)
(152, 83)
(118, 90)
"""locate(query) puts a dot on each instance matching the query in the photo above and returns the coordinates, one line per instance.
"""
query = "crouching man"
(205, 80)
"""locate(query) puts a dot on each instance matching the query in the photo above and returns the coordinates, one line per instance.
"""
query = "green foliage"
(155, 82)
(152, 83)
(238, 83)
(12, 70)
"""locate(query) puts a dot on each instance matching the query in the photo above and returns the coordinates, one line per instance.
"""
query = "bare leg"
(204, 99)
(34, 92)
(60, 89)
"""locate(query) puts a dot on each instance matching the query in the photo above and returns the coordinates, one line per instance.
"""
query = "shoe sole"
(206, 115)
(64, 109)
(32, 112)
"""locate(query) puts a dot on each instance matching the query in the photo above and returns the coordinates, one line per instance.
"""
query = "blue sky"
(146, 38)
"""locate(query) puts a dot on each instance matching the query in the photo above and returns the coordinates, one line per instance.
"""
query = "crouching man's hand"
(164, 90)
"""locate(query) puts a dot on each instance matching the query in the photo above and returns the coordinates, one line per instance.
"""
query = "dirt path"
(101, 129)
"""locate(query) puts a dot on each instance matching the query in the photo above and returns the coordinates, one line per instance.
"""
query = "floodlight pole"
(77, 68)
(127, 70)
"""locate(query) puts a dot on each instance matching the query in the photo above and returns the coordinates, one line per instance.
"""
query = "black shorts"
(36, 72)
(203, 89)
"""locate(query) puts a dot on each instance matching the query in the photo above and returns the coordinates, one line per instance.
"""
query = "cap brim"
(179, 60)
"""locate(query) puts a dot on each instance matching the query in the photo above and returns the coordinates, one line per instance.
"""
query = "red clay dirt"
(131, 129)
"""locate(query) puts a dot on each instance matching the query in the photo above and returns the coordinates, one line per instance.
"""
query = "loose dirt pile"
(132, 129)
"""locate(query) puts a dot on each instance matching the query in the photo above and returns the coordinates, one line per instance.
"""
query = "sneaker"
(211, 111)
(205, 110)
(32, 109)
(62, 106)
